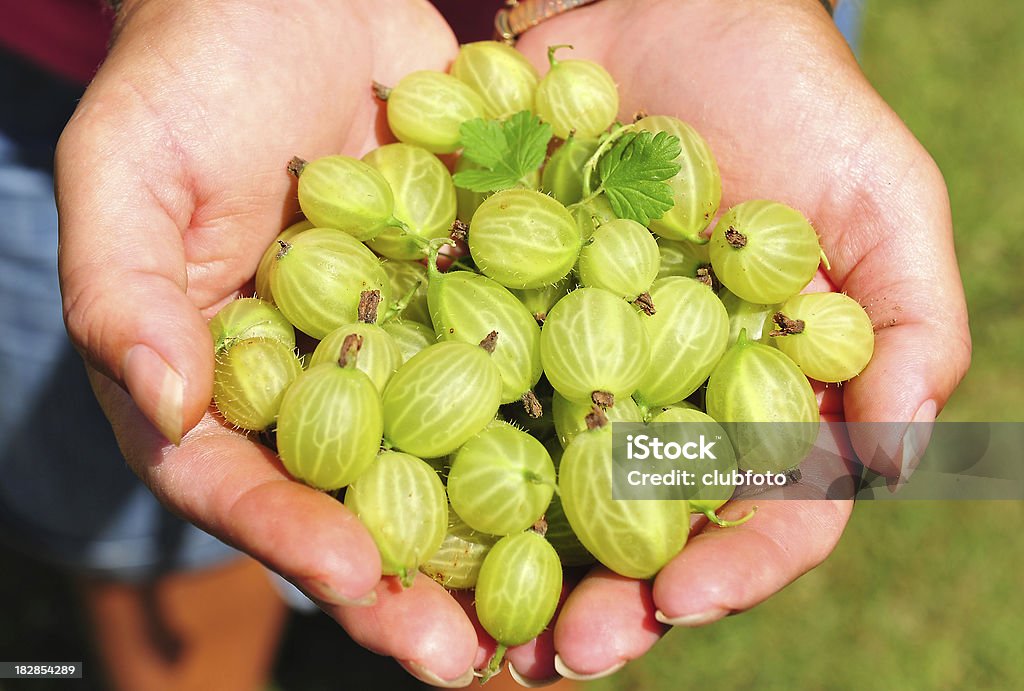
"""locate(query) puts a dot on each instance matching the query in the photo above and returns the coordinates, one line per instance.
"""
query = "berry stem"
(591, 165)
(296, 166)
(551, 53)
(490, 342)
(494, 664)
(349, 350)
(535, 479)
(787, 326)
(369, 302)
(645, 304)
(735, 238)
(433, 250)
(532, 405)
(721, 522)
(398, 306)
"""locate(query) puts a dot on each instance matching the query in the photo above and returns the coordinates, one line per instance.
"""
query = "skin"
(171, 182)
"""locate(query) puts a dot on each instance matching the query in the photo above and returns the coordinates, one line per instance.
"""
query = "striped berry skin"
(756, 383)
(577, 96)
(563, 173)
(753, 318)
(696, 188)
(263, 269)
(633, 537)
(330, 426)
(424, 199)
(688, 334)
(379, 355)
(835, 339)
(465, 307)
(345, 193)
(559, 533)
(681, 258)
(499, 74)
(704, 497)
(319, 277)
(594, 341)
(570, 417)
(440, 398)
(250, 378)
(456, 563)
(539, 300)
(622, 257)
(410, 336)
(249, 318)
(408, 280)
(518, 588)
(402, 503)
(523, 239)
(426, 108)
(501, 481)
(571, 551)
(764, 251)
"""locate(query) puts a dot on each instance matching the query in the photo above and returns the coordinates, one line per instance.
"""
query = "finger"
(142, 252)
(898, 261)
(423, 627)
(726, 570)
(606, 621)
(533, 663)
(530, 664)
(722, 571)
(239, 492)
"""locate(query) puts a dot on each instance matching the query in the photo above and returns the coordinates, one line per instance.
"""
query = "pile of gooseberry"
(448, 353)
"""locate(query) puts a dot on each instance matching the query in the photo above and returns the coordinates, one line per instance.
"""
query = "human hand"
(171, 181)
(780, 99)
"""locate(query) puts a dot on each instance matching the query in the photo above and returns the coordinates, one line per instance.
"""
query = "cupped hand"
(171, 181)
(789, 115)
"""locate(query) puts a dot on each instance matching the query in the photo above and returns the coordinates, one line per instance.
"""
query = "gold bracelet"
(519, 16)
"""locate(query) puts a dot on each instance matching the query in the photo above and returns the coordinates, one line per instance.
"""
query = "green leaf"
(505, 151)
(633, 174)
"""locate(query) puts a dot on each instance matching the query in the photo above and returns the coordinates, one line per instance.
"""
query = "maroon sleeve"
(472, 20)
(67, 37)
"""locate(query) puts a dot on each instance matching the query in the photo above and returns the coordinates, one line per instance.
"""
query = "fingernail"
(698, 619)
(147, 374)
(426, 676)
(321, 591)
(915, 439)
(568, 673)
(531, 683)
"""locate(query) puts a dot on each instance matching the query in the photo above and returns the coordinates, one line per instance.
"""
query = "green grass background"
(918, 595)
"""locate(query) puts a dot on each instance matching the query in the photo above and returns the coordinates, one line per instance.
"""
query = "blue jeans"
(66, 494)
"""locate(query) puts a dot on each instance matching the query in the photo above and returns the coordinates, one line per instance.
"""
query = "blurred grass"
(918, 595)
(955, 74)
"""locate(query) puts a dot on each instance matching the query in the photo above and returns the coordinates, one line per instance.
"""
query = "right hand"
(171, 180)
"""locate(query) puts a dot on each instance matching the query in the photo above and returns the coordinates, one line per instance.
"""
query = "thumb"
(909, 283)
(123, 270)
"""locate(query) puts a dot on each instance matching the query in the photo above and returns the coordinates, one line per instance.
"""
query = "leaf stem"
(591, 165)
